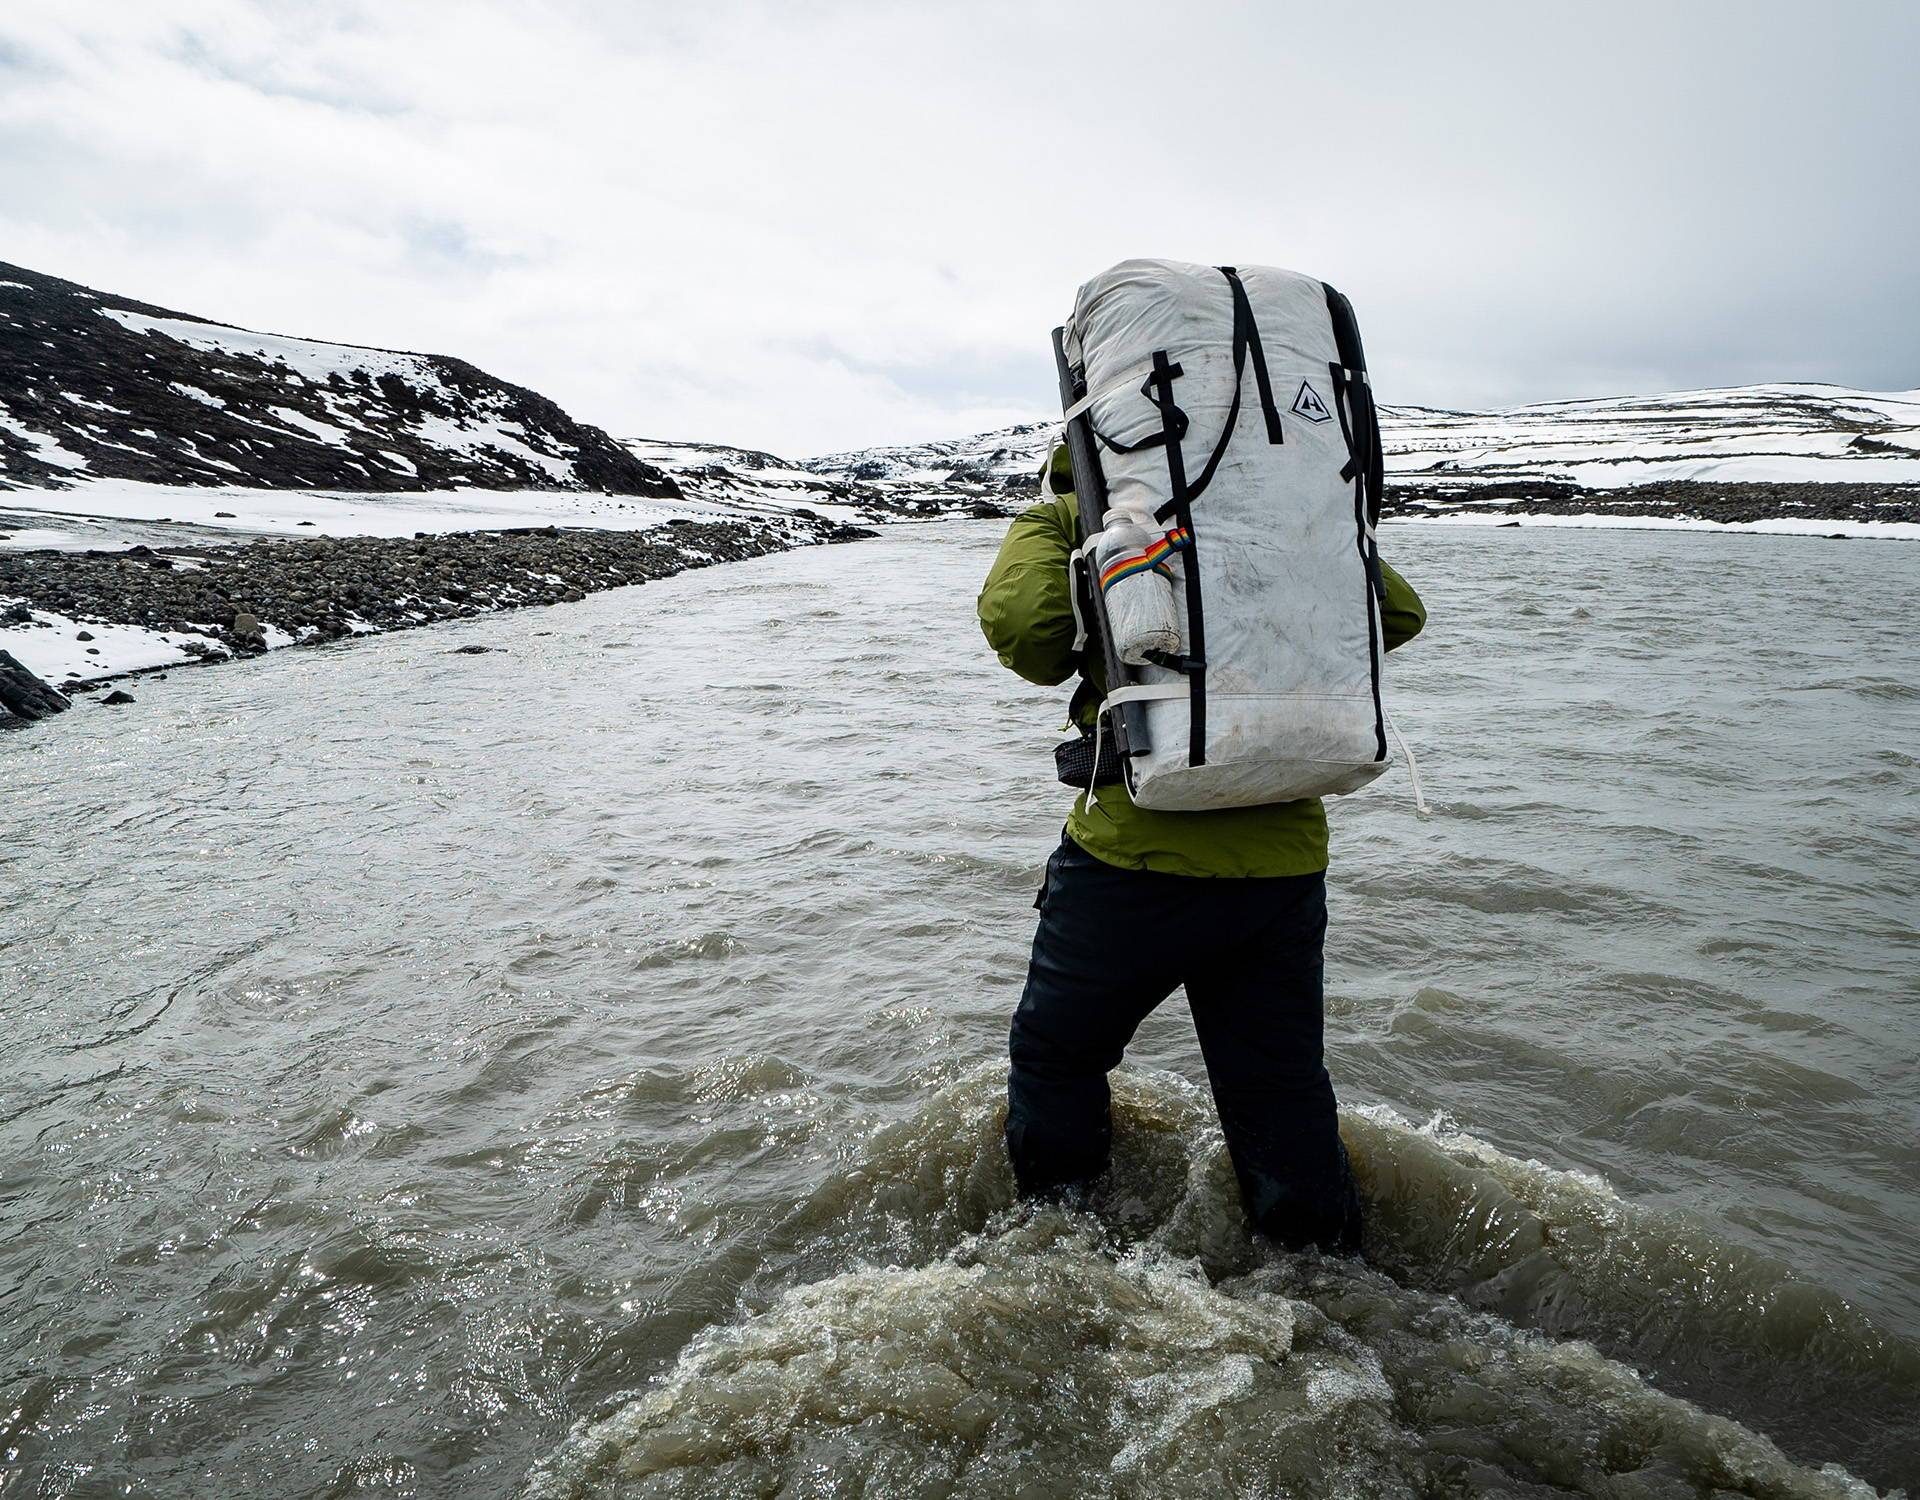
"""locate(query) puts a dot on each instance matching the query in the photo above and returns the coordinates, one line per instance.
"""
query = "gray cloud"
(814, 227)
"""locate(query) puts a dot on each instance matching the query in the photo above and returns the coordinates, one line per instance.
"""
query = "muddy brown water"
(575, 1070)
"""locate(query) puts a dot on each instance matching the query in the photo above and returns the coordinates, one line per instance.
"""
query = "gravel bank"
(223, 601)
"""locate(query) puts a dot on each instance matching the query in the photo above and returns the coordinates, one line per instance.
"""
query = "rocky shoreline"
(216, 603)
(1725, 502)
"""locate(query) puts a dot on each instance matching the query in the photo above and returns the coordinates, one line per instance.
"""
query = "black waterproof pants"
(1111, 945)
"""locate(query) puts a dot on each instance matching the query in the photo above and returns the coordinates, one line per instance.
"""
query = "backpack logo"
(1309, 405)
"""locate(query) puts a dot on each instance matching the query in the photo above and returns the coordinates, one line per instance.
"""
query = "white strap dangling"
(1413, 769)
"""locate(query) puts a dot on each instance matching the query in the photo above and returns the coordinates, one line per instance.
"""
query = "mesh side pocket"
(1073, 761)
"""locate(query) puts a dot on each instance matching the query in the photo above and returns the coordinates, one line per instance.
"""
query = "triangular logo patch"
(1309, 405)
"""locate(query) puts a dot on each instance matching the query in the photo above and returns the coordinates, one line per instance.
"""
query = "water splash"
(912, 1332)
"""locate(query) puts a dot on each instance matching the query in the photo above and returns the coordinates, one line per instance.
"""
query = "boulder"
(24, 695)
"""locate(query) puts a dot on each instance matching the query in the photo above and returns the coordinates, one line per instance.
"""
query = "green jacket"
(1027, 614)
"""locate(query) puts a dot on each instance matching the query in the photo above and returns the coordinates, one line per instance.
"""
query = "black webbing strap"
(1162, 378)
(1363, 440)
(1173, 421)
(1246, 334)
(1358, 467)
(1246, 339)
(1377, 463)
(1364, 455)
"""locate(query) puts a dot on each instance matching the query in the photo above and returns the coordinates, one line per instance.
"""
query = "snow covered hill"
(1790, 458)
(95, 386)
(1755, 434)
(1766, 434)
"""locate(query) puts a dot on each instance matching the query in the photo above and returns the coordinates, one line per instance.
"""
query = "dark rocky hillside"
(98, 386)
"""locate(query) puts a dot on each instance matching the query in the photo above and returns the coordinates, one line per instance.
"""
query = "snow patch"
(325, 432)
(50, 451)
(309, 512)
(79, 400)
(194, 393)
(51, 647)
(445, 432)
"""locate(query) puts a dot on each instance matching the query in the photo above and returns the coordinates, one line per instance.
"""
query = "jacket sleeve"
(1025, 607)
(1401, 612)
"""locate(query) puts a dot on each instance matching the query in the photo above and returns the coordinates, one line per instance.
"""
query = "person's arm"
(1026, 608)
(1401, 612)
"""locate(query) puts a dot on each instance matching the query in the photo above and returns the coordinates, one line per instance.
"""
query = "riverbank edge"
(199, 604)
(1817, 508)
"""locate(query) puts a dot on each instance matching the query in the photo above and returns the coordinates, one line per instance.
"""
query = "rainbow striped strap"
(1154, 557)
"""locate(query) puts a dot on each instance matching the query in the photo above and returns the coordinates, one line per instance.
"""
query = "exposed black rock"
(108, 394)
(23, 695)
(118, 696)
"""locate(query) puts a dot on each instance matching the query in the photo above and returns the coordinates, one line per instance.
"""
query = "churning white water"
(575, 1069)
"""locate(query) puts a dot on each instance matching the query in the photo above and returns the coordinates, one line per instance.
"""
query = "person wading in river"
(1230, 903)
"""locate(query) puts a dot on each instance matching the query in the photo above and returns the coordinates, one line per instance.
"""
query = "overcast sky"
(814, 226)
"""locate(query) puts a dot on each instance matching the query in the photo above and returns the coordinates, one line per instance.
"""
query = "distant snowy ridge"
(749, 479)
(98, 387)
(1757, 434)
(977, 476)
(1752, 434)
(988, 459)
(982, 475)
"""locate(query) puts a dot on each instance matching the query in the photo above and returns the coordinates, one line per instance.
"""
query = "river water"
(412, 1055)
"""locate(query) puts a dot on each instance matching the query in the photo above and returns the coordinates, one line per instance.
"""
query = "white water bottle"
(1130, 570)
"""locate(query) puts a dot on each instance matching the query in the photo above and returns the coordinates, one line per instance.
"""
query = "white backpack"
(1233, 406)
